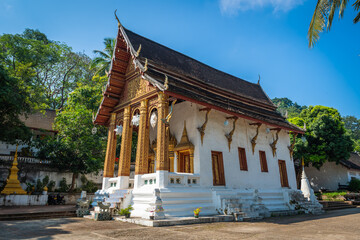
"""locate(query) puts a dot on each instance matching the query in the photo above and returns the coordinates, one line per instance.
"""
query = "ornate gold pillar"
(162, 152)
(142, 150)
(111, 149)
(126, 138)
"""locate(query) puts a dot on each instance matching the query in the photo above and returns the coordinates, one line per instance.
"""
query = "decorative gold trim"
(273, 144)
(138, 51)
(166, 83)
(291, 147)
(168, 117)
(119, 24)
(230, 134)
(253, 140)
(203, 127)
(145, 65)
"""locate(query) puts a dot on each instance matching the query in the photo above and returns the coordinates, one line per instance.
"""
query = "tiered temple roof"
(187, 79)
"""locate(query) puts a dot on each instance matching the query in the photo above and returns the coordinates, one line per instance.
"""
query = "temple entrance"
(184, 162)
(283, 174)
(218, 169)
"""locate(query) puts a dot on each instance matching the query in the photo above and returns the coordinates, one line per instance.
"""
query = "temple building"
(205, 138)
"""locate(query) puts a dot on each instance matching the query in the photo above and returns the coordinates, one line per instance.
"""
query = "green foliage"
(288, 107)
(88, 186)
(354, 185)
(13, 103)
(101, 63)
(40, 184)
(63, 186)
(51, 185)
(352, 126)
(48, 70)
(326, 138)
(126, 211)
(76, 148)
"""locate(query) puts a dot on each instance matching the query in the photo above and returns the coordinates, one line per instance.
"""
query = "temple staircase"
(250, 203)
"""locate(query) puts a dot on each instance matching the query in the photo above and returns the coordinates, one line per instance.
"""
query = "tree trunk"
(74, 176)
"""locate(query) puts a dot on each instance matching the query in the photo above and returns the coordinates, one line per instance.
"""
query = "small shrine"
(12, 183)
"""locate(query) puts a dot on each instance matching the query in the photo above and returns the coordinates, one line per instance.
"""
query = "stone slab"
(176, 221)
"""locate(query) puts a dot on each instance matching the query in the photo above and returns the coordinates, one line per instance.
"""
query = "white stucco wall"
(215, 140)
(328, 177)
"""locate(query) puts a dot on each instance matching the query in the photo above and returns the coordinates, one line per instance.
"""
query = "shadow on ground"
(309, 217)
(39, 229)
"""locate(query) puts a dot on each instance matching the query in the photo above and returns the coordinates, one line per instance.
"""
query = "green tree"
(48, 69)
(323, 16)
(326, 138)
(77, 148)
(13, 104)
(101, 63)
(352, 126)
(288, 107)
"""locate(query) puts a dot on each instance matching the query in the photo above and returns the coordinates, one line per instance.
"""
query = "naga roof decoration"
(185, 78)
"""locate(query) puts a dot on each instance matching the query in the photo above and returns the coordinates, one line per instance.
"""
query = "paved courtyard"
(338, 224)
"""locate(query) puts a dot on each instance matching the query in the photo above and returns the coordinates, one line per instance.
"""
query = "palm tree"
(324, 14)
(102, 62)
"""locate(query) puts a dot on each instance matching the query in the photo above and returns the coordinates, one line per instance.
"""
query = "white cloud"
(232, 7)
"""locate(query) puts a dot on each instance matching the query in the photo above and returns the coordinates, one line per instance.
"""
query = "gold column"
(126, 138)
(142, 150)
(162, 153)
(111, 148)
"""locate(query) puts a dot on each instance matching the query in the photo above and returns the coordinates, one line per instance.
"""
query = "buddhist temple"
(205, 138)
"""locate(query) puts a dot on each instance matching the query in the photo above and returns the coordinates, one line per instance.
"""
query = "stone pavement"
(337, 224)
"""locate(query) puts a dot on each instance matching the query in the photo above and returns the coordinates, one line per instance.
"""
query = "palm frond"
(342, 8)
(318, 21)
(102, 54)
(356, 6)
(334, 6)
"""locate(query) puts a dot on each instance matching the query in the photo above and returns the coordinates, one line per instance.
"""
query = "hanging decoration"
(93, 130)
(273, 144)
(203, 127)
(118, 130)
(253, 140)
(135, 120)
(230, 134)
(153, 120)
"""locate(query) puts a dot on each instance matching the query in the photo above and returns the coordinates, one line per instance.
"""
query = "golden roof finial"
(119, 24)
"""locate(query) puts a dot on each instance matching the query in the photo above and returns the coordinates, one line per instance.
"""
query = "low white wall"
(23, 200)
(328, 177)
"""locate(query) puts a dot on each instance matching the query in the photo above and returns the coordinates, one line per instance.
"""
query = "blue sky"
(241, 37)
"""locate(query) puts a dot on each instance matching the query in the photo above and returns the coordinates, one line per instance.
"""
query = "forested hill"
(295, 112)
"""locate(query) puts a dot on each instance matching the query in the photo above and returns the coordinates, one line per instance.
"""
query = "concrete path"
(337, 224)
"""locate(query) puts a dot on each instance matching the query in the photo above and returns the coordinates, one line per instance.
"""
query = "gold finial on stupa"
(12, 183)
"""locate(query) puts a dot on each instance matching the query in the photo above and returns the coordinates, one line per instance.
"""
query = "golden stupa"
(12, 183)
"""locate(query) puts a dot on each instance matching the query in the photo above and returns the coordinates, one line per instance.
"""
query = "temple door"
(218, 169)
(283, 174)
(184, 163)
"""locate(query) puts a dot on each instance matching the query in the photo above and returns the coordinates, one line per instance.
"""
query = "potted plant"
(126, 211)
(197, 212)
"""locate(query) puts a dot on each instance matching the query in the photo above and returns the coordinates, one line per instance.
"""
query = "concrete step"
(39, 215)
(334, 205)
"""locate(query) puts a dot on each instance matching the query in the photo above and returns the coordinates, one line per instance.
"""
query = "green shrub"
(354, 185)
(51, 186)
(126, 211)
(88, 186)
(63, 186)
